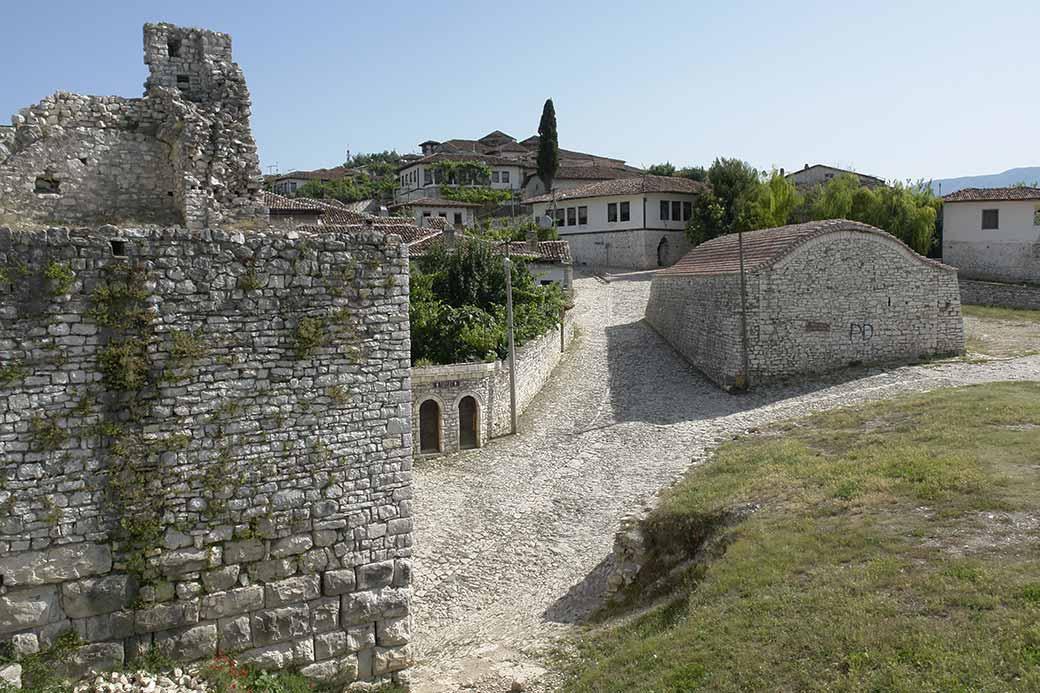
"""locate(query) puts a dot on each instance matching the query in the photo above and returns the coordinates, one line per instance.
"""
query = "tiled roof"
(993, 194)
(334, 173)
(549, 252)
(489, 159)
(433, 202)
(626, 186)
(593, 173)
(280, 204)
(765, 247)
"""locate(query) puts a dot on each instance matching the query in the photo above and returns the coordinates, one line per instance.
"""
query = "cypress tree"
(548, 146)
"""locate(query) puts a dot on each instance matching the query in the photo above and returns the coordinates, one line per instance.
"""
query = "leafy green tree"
(777, 199)
(665, 169)
(548, 146)
(732, 204)
(697, 173)
(457, 305)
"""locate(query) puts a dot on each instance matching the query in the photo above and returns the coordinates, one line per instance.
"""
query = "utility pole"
(512, 346)
(743, 311)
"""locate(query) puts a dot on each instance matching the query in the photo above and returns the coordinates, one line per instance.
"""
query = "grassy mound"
(896, 548)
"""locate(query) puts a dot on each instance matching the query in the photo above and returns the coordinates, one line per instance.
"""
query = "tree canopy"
(370, 176)
(548, 146)
(457, 305)
(743, 199)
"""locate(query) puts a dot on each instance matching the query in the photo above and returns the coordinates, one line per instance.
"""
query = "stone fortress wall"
(980, 293)
(488, 384)
(183, 154)
(206, 446)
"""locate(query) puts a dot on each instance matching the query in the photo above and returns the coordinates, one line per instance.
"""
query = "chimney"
(806, 167)
(781, 171)
(448, 232)
(532, 240)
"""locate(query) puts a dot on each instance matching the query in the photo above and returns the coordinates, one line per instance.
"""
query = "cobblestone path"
(510, 539)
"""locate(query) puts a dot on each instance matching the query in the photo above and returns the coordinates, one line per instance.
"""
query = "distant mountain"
(1027, 174)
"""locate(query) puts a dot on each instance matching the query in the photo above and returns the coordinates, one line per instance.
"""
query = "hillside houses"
(512, 165)
(821, 174)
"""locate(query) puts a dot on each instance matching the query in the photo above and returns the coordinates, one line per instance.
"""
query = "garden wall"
(981, 293)
(206, 447)
(488, 384)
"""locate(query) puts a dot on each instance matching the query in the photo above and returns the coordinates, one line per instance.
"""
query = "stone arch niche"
(429, 427)
(469, 423)
(662, 253)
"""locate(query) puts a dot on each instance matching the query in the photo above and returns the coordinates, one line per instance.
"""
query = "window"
(625, 211)
(687, 211)
(292, 186)
(664, 210)
(183, 81)
(1036, 217)
(583, 216)
(442, 215)
(612, 211)
(425, 215)
(173, 48)
(494, 176)
(505, 176)
(427, 177)
(458, 218)
(572, 217)
(990, 219)
(676, 210)
(559, 216)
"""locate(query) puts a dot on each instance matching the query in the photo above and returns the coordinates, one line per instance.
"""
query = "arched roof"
(765, 247)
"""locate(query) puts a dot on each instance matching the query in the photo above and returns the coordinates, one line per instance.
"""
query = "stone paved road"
(510, 539)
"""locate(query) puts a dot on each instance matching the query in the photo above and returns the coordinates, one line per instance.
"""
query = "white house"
(423, 209)
(634, 223)
(993, 233)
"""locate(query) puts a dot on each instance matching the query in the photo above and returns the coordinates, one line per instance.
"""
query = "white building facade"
(630, 223)
(424, 209)
(993, 234)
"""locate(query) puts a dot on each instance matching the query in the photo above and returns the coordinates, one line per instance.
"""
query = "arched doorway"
(662, 253)
(468, 433)
(429, 426)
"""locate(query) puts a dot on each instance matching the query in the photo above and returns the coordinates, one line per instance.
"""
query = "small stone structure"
(979, 293)
(183, 154)
(206, 446)
(464, 405)
(819, 297)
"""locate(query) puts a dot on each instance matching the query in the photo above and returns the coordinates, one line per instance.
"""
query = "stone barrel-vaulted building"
(819, 297)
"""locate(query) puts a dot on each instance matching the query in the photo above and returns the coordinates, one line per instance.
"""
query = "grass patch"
(872, 564)
(997, 313)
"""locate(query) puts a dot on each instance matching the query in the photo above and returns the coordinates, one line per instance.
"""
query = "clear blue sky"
(936, 90)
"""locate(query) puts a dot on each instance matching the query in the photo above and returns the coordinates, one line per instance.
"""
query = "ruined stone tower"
(183, 154)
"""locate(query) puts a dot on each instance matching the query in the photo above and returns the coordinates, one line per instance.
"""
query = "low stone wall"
(626, 249)
(981, 293)
(205, 447)
(488, 384)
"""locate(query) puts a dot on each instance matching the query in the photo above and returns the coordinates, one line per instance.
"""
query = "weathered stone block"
(183, 561)
(166, 616)
(94, 596)
(281, 655)
(188, 644)
(102, 656)
(25, 644)
(389, 659)
(235, 634)
(220, 579)
(11, 675)
(277, 625)
(314, 561)
(28, 608)
(114, 626)
(324, 614)
(232, 602)
(341, 670)
(375, 575)
(60, 564)
(339, 581)
(394, 631)
(244, 551)
(360, 607)
(293, 590)
(268, 571)
(361, 637)
(328, 645)
(291, 546)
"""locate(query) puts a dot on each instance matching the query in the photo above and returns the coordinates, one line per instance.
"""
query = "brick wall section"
(252, 438)
(997, 294)
(488, 383)
(842, 298)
